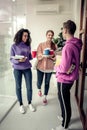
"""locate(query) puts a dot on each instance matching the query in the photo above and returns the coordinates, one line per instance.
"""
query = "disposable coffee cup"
(47, 51)
(34, 53)
(51, 52)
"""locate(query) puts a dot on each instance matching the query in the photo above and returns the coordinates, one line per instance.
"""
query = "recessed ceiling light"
(13, 0)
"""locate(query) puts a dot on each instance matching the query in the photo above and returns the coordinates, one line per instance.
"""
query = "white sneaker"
(22, 110)
(59, 128)
(32, 108)
(60, 118)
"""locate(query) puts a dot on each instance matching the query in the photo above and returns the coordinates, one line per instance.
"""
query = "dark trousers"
(65, 104)
(40, 76)
(28, 80)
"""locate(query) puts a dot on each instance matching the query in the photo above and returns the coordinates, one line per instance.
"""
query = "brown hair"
(71, 26)
(53, 47)
(19, 34)
(50, 31)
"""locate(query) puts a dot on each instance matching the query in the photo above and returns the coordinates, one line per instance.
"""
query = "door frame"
(80, 87)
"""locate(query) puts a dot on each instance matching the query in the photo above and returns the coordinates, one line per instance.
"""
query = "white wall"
(39, 24)
(76, 14)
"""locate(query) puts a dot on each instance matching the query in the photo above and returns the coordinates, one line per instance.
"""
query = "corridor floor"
(45, 117)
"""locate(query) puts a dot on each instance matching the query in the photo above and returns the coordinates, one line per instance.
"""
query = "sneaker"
(44, 101)
(60, 118)
(22, 110)
(40, 93)
(32, 108)
(60, 128)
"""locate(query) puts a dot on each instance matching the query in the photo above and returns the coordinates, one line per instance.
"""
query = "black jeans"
(28, 79)
(40, 76)
(65, 104)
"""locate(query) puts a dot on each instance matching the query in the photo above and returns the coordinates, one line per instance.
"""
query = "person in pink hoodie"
(68, 71)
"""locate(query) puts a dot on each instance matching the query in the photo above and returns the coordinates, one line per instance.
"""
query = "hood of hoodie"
(75, 42)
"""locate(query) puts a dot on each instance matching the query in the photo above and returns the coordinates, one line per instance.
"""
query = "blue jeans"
(40, 76)
(28, 80)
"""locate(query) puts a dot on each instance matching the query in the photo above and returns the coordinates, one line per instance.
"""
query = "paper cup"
(34, 53)
(51, 52)
(46, 51)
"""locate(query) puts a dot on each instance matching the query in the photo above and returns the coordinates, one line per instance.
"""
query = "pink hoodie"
(70, 55)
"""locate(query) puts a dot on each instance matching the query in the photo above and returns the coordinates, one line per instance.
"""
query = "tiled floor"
(7, 92)
(45, 117)
(6, 104)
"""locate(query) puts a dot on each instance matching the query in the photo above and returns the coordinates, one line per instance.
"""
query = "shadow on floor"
(75, 129)
(74, 120)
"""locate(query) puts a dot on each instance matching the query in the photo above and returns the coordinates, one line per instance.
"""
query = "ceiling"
(9, 9)
(18, 7)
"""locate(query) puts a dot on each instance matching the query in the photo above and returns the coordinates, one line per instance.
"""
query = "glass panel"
(11, 20)
(12, 17)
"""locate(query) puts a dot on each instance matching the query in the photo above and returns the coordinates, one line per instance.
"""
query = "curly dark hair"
(19, 34)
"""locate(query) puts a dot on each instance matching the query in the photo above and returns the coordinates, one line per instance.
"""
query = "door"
(81, 83)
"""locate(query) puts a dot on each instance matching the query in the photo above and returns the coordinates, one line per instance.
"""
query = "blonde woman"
(45, 64)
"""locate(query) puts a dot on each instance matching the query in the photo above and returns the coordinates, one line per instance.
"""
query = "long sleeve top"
(24, 50)
(70, 55)
(45, 64)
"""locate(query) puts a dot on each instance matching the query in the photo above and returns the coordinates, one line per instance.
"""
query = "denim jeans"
(40, 76)
(28, 80)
